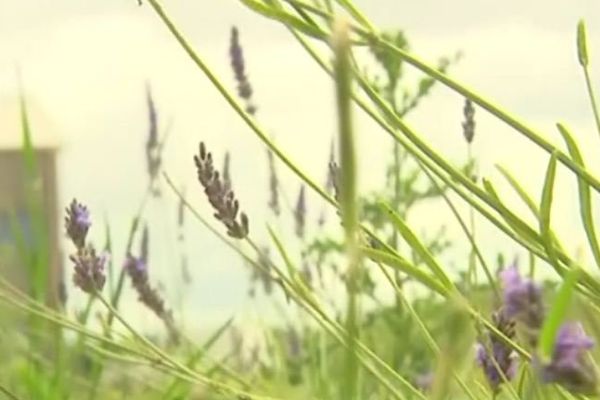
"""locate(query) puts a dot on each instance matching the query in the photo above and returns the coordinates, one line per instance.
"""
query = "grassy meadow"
(368, 306)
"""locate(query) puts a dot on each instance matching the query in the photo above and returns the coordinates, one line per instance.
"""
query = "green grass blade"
(546, 208)
(39, 266)
(291, 268)
(412, 240)
(525, 197)
(340, 42)
(175, 388)
(519, 226)
(406, 267)
(585, 196)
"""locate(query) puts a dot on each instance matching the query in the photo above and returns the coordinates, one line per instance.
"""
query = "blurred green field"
(368, 306)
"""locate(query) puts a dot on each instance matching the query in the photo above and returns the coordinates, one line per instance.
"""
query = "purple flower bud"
(88, 272)
(498, 359)
(77, 223)
(570, 366)
(137, 269)
(523, 302)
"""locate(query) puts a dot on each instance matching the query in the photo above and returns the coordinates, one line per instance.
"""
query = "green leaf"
(519, 227)
(520, 191)
(417, 246)
(193, 360)
(545, 211)
(403, 265)
(291, 268)
(40, 253)
(585, 195)
(558, 312)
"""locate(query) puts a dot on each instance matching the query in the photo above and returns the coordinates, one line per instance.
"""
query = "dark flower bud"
(469, 123)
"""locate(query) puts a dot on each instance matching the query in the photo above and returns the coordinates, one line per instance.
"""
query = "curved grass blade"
(585, 200)
(520, 191)
(545, 211)
(417, 246)
(174, 390)
(518, 225)
(403, 265)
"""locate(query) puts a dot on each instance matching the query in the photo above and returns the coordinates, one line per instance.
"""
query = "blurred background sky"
(85, 66)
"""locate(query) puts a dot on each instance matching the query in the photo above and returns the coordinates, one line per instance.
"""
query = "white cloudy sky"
(86, 63)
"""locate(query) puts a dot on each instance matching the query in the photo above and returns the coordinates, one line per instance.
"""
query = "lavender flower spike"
(499, 361)
(77, 223)
(88, 272)
(569, 365)
(523, 302)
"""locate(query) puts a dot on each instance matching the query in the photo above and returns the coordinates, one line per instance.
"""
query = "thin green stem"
(8, 393)
(592, 95)
(166, 358)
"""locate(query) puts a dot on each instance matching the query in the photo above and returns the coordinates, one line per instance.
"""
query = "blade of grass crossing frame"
(585, 195)
(291, 268)
(417, 246)
(38, 267)
(348, 202)
(546, 208)
(520, 227)
(172, 391)
(520, 191)
(406, 267)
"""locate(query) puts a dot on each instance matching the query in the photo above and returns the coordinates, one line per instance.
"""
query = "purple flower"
(498, 361)
(88, 273)
(570, 366)
(523, 301)
(137, 269)
(77, 223)
(89, 270)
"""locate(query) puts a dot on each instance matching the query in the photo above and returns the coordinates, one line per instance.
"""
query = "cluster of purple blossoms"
(498, 360)
(523, 302)
(569, 365)
(137, 269)
(88, 272)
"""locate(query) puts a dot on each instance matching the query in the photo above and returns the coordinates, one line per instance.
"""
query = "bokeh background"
(84, 67)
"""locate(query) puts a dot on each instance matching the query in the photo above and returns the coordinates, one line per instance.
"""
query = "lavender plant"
(358, 344)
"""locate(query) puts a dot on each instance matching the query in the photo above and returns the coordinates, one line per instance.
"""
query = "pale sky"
(86, 63)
